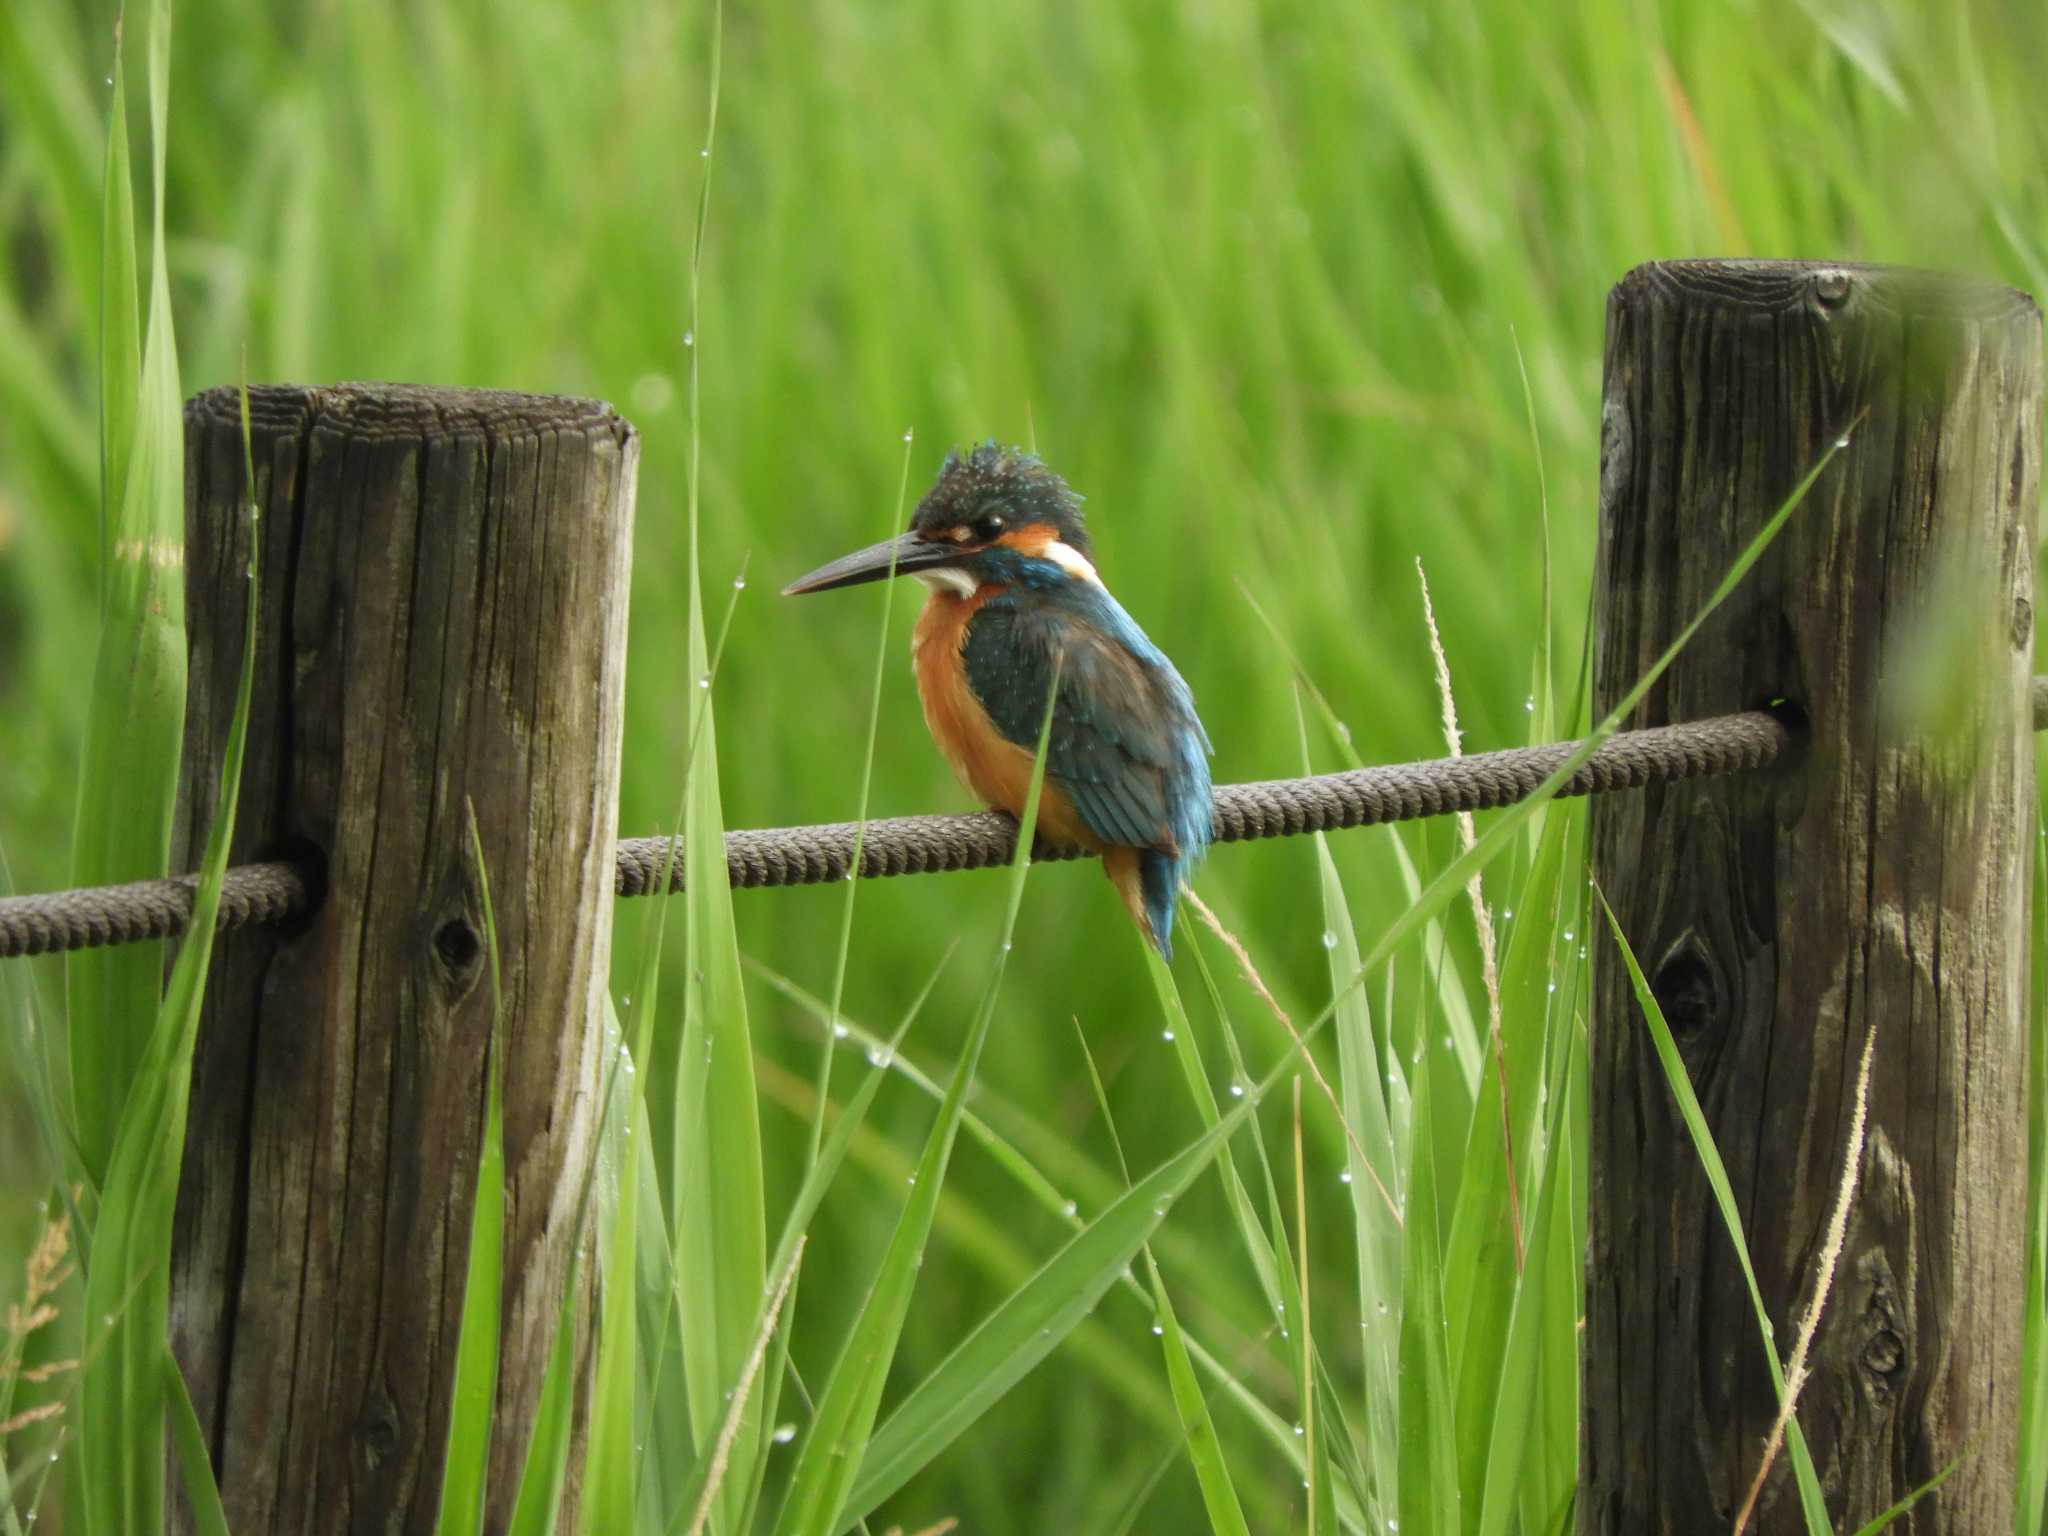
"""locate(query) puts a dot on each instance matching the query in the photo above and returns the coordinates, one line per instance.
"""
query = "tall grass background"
(1296, 295)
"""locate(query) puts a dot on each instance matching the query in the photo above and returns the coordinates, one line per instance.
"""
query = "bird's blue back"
(1126, 748)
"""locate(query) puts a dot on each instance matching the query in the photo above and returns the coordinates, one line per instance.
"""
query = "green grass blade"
(719, 1206)
(1205, 1449)
(127, 1289)
(818, 1179)
(537, 1504)
(1258, 1245)
(1695, 1118)
(1872, 1527)
(793, 1228)
(1009, 1157)
(120, 326)
(611, 1468)
(1429, 1432)
(1030, 1323)
(1198, 1429)
(1365, 1078)
(1550, 1460)
(127, 782)
(2032, 1475)
(536, 1507)
(475, 1387)
(1481, 1262)
(1516, 1443)
(843, 1423)
(188, 1445)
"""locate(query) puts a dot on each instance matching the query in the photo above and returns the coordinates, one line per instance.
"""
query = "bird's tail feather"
(1149, 882)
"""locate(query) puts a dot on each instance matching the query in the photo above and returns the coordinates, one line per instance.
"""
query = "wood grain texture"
(443, 612)
(1880, 882)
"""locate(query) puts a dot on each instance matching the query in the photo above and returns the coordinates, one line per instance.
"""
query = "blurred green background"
(1294, 294)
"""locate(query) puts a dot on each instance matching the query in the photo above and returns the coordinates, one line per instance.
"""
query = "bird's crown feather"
(1017, 484)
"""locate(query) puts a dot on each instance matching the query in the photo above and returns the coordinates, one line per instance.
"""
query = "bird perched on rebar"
(1015, 598)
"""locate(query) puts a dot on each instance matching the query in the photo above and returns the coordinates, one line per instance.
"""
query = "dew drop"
(908, 435)
(689, 338)
(1237, 1090)
(1166, 1034)
(880, 1056)
(704, 681)
(784, 1433)
(739, 583)
(1344, 1177)
(1071, 1209)
(1842, 441)
(1158, 1330)
(840, 1031)
(1329, 939)
(1529, 704)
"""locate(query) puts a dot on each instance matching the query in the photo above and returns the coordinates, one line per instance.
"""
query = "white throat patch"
(947, 578)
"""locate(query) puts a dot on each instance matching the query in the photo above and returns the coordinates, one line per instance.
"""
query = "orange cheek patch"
(1031, 539)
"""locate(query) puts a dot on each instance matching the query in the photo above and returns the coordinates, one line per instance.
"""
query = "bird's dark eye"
(989, 525)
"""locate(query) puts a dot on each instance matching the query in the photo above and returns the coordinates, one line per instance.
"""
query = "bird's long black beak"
(906, 552)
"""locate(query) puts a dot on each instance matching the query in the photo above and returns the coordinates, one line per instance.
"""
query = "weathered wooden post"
(443, 620)
(1880, 883)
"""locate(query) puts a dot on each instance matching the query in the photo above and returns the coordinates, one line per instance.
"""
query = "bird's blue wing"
(1126, 747)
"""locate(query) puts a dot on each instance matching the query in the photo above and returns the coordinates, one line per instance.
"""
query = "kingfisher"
(1000, 544)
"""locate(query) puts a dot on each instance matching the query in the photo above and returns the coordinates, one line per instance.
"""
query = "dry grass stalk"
(1830, 1255)
(1489, 965)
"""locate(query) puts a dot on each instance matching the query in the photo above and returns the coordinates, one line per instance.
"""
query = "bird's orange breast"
(994, 768)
